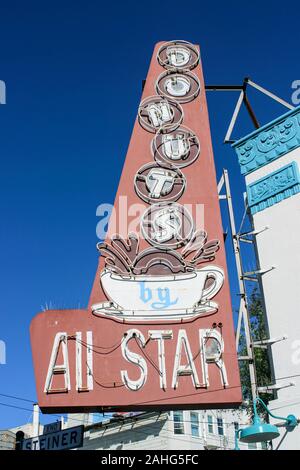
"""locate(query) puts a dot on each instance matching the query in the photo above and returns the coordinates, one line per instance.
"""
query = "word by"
(162, 295)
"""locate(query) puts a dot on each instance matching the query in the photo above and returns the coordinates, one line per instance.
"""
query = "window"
(178, 422)
(210, 424)
(195, 424)
(220, 426)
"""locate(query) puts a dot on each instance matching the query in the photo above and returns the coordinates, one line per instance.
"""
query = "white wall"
(156, 431)
(279, 246)
(141, 434)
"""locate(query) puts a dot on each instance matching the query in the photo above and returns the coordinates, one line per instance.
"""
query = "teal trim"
(236, 439)
(269, 142)
(256, 418)
(274, 187)
(266, 126)
(259, 432)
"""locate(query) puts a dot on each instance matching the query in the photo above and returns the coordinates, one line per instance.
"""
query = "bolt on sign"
(158, 331)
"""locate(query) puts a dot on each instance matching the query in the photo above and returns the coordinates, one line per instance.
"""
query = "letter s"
(134, 358)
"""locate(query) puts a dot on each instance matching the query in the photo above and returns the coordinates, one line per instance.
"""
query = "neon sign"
(158, 329)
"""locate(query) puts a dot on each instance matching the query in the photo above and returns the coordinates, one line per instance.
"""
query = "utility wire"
(243, 219)
(17, 398)
(187, 421)
(78, 420)
(34, 401)
(30, 410)
(89, 346)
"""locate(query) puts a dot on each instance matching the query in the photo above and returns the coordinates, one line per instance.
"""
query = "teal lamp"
(262, 432)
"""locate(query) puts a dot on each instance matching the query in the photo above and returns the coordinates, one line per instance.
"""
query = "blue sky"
(73, 72)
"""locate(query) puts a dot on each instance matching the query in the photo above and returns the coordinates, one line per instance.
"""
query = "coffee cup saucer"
(109, 309)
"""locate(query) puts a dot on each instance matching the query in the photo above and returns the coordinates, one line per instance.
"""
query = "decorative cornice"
(269, 142)
(273, 188)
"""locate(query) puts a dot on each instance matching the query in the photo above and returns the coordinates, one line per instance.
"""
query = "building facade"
(193, 430)
(176, 430)
(7, 440)
(269, 158)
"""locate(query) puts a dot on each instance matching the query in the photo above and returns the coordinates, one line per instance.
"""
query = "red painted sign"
(158, 330)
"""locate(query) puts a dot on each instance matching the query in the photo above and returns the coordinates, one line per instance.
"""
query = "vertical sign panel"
(158, 331)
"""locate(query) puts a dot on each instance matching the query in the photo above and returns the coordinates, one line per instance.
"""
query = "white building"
(269, 159)
(7, 440)
(177, 430)
(174, 430)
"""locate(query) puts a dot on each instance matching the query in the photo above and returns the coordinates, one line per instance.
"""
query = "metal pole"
(243, 311)
(244, 99)
(268, 93)
(234, 117)
(36, 420)
(239, 325)
(251, 112)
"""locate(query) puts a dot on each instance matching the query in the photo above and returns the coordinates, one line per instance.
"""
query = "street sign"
(52, 427)
(62, 440)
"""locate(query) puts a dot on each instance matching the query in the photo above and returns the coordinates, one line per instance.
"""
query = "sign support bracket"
(243, 315)
(243, 98)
